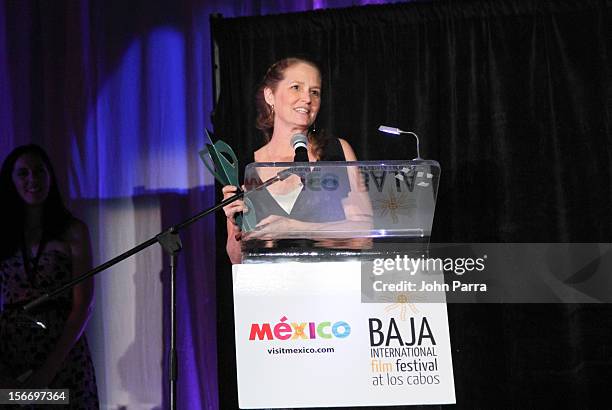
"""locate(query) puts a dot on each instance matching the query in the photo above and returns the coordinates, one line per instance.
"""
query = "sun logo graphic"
(393, 205)
(401, 305)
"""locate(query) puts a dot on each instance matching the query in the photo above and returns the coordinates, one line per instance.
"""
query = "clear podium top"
(337, 205)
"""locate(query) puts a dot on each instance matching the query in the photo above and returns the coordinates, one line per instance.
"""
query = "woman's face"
(297, 97)
(31, 179)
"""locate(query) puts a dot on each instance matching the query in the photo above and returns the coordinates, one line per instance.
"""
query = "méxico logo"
(285, 330)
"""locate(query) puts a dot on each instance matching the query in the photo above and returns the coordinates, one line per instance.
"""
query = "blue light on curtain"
(136, 133)
(8, 141)
(166, 116)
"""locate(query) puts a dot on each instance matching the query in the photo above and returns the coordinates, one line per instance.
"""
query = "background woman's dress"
(25, 346)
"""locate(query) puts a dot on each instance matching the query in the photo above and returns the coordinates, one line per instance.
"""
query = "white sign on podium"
(305, 339)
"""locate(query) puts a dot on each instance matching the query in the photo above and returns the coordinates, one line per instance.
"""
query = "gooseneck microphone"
(299, 142)
(397, 131)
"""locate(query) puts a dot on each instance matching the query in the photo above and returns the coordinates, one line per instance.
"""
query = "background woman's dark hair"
(265, 118)
(56, 216)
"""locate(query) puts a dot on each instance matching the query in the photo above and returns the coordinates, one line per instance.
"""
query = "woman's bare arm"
(234, 234)
(82, 305)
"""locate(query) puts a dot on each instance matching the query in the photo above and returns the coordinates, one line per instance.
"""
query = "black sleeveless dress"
(320, 200)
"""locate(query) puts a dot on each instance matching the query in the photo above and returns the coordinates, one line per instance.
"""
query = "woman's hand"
(276, 226)
(234, 233)
(235, 207)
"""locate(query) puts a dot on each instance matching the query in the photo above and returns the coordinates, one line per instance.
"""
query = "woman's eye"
(295, 87)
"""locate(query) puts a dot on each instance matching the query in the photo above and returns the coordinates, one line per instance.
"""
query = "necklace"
(30, 265)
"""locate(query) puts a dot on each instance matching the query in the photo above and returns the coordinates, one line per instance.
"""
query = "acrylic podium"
(308, 332)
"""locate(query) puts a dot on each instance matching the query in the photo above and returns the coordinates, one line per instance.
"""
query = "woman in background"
(42, 247)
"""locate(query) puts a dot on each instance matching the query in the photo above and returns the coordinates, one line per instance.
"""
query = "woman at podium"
(287, 102)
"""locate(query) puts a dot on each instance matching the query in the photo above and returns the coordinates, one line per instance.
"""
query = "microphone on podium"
(299, 142)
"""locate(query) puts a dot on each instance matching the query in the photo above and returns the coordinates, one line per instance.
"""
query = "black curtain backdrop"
(514, 99)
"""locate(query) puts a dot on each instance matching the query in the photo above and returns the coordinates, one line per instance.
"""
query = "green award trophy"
(222, 162)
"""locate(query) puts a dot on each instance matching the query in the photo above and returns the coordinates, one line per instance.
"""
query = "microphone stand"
(170, 241)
